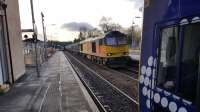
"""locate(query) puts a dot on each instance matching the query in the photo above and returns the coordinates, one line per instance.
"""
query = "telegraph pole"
(33, 17)
(35, 38)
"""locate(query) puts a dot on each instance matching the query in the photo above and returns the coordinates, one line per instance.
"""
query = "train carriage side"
(74, 48)
(170, 60)
(89, 48)
(85, 48)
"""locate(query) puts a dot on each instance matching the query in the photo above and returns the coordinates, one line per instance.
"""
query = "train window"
(190, 62)
(93, 47)
(111, 41)
(81, 47)
(167, 60)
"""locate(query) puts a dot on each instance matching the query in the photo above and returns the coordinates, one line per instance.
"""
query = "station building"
(12, 65)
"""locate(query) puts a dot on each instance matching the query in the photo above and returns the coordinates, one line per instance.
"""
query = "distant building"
(12, 65)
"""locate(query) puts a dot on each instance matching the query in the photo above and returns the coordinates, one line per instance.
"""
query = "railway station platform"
(58, 89)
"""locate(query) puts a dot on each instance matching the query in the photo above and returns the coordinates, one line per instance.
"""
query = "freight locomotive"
(111, 49)
(170, 56)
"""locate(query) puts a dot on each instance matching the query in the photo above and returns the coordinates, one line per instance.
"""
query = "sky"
(89, 12)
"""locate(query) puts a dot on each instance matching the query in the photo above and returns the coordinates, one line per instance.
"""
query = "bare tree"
(94, 33)
(115, 27)
(107, 25)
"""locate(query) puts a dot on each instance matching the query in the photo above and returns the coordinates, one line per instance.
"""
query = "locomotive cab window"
(111, 41)
(167, 59)
(190, 62)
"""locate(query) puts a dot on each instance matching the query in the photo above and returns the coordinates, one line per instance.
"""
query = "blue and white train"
(170, 60)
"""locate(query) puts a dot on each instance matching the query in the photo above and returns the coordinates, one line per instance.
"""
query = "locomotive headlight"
(126, 53)
(109, 54)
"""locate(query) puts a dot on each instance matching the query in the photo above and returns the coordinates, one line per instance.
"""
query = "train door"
(166, 67)
(177, 78)
(189, 63)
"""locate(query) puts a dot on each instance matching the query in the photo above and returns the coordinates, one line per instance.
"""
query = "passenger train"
(170, 60)
(111, 49)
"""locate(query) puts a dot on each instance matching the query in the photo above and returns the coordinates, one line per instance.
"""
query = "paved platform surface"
(57, 90)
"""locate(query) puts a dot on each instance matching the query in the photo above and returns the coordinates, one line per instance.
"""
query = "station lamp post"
(139, 17)
(133, 29)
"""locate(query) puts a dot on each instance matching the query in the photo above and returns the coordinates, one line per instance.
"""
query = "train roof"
(109, 34)
(115, 34)
(86, 40)
(91, 39)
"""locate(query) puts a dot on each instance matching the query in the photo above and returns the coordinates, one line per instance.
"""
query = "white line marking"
(44, 97)
(60, 84)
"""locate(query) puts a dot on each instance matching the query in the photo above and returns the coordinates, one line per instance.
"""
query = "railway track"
(129, 71)
(126, 83)
(108, 96)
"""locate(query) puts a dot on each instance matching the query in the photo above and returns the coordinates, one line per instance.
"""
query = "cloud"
(74, 26)
(137, 3)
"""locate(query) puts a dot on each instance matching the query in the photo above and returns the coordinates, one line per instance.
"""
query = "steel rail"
(97, 102)
(91, 70)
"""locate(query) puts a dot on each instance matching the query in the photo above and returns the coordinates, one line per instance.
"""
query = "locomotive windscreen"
(111, 41)
(116, 41)
(115, 38)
